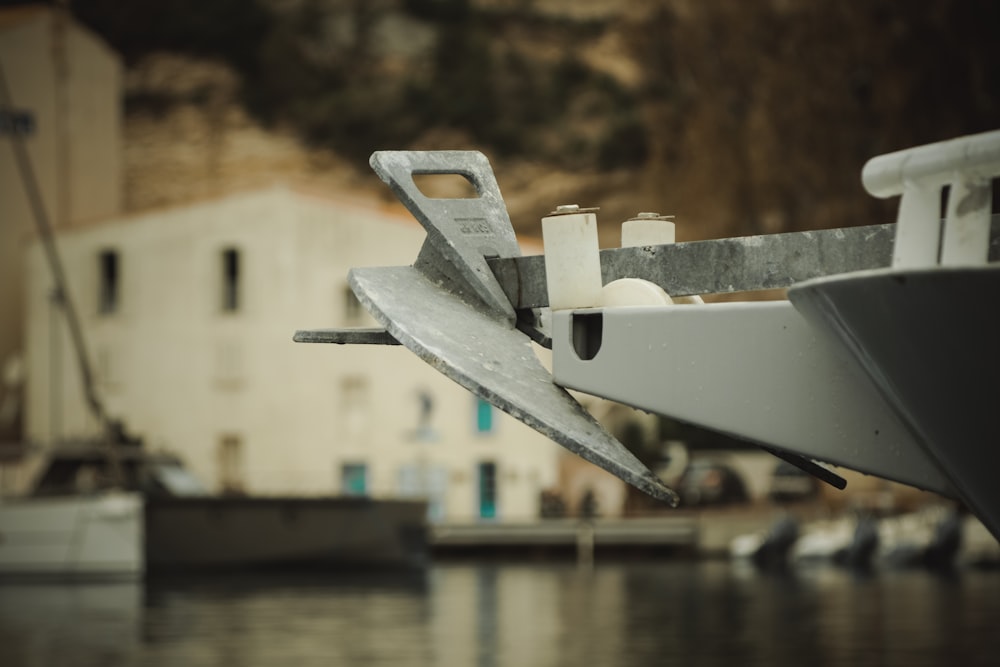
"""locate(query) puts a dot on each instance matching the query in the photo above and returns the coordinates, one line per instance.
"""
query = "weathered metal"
(708, 267)
(449, 309)
(463, 232)
(481, 352)
(764, 371)
(345, 336)
(719, 266)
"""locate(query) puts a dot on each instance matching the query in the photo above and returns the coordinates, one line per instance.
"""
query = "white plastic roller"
(572, 258)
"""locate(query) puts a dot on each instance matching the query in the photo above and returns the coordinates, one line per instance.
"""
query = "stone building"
(189, 315)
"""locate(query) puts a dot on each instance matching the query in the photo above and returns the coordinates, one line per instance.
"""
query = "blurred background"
(203, 167)
(737, 117)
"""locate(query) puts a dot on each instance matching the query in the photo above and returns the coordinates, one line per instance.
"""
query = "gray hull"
(283, 533)
(928, 340)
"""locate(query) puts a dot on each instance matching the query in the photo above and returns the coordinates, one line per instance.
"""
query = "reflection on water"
(513, 614)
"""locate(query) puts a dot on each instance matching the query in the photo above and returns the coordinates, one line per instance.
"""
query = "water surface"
(489, 614)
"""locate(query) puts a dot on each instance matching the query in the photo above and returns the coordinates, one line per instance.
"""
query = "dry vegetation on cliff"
(739, 117)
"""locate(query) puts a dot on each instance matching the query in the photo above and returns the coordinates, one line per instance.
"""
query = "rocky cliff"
(737, 116)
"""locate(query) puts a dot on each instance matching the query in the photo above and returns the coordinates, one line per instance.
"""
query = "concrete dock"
(699, 533)
(705, 533)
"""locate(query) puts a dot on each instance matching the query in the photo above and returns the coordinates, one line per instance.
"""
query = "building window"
(352, 307)
(484, 416)
(230, 464)
(230, 280)
(487, 475)
(354, 479)
(109, 269)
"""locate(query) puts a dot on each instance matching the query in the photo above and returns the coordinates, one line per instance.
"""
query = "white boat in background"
(78, 536)
(937, 537)
(822, 540)
(82, 520)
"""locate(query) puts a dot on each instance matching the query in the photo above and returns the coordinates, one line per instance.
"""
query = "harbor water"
(633, 613)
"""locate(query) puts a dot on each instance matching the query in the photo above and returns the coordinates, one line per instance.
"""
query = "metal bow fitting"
(468, 305)
(450, 310)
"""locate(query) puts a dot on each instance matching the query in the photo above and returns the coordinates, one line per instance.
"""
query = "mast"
(63, 299)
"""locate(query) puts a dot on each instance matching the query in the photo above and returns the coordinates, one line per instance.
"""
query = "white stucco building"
(189, 315)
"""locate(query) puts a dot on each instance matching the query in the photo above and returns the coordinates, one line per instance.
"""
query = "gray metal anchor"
(449, 310)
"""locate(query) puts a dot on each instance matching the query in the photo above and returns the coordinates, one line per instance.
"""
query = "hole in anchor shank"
(587, 332)
(445, 186)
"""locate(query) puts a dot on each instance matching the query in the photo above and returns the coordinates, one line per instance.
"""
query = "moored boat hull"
(242, 533)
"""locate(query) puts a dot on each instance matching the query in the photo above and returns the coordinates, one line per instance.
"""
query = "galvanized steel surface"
(489, 358)
(462, 231)
(345, 336)
(455, 308)
(738, 264)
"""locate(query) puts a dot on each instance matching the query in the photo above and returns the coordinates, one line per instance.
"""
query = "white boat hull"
(73, 536)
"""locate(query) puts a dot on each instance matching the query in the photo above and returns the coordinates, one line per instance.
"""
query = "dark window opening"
(230, 280)
(109, 281)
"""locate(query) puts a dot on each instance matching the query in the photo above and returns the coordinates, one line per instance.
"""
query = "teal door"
(354, 479)
(487, 490)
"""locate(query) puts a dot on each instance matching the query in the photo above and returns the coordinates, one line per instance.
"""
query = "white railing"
(967, 165)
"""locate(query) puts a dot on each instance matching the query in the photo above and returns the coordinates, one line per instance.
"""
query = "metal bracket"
(719, 266)
(756, 370)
